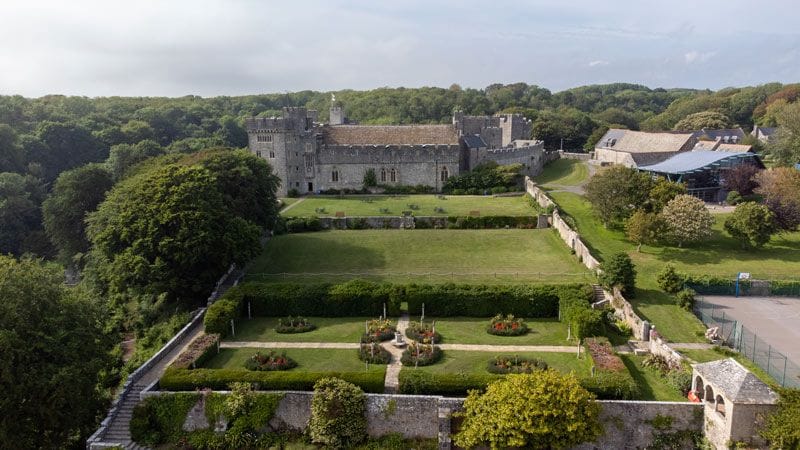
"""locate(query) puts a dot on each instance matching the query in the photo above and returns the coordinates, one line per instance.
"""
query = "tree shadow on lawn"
(720, 247)
(645, 390)
(316, 253)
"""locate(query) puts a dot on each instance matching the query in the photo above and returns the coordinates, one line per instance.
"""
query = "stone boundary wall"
(660, 347)
(391, 222)
(627, 424)
(624, 311)
(578, 156)
(568, 235)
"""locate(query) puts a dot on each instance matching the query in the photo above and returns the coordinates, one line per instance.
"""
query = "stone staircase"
(599, 296)
(119, 431)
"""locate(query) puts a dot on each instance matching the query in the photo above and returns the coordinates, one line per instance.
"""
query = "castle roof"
(390, 135)
(642, 142)
(736, 382)
(474, 141)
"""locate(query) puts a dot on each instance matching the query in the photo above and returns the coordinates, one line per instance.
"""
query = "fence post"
(769, 356)
(755, 336)
(783, 378)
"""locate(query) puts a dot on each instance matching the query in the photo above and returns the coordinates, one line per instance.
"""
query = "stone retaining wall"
(578, 156)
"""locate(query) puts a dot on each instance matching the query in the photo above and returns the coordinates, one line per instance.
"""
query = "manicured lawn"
(394, 205)
(308, 359)
(288, 201)
(476, 362)
(473, 256)
(651, 385)
(329, 329)
(563, 172)
(469, 330)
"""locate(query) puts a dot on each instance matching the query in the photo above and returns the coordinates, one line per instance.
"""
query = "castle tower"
(336, 112)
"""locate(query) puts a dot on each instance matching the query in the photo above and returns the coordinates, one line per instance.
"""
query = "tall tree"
(786, 148)
(741, 179)
(615, 193)
(20, 216)
(780, 188)
(751, 224)
(687, 219)
(706, 119)
(75, 193)
(53, 348)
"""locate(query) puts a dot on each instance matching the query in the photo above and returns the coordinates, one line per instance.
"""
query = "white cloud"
(699, 57)
(599, 62)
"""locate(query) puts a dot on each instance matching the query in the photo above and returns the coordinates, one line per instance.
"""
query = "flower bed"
(603, 355)
(420, 355)
(507, 326)
(269, 362)
(201, 349)
(373, 353)
(423, 332)
(379, 330)
(514, 364)
(294, 325)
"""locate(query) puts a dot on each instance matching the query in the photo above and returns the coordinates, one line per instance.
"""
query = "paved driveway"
(775, 320)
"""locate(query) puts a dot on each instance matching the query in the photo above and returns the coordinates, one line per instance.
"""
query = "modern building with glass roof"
(703, 171)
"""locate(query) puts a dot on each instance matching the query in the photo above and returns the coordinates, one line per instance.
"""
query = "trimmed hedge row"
(711, 285)
(361, 298)
(606, 386)
(220, 379)
(478, 223)
(530, 301)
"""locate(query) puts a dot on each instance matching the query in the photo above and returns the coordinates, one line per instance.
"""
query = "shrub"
(303, 224)
(290, 325)
(680, 379)
(685, 299)
(514, 364)
(158, 420)
(733, 198)
(417, 354)
(498, 190)
(370, 180)
(423, 332)
(657, 362)
(338, 411)
(507, 326)
(379, 330)
(751, 224)
(374, 353)
(219, 315)
(782, 427)
(539, 410)
(220, 379)
(198, 352)
(484, 177)
(270, 361)
(292, 193)
(670, 280)
(418, 382)
(619, 271)
(612, 385)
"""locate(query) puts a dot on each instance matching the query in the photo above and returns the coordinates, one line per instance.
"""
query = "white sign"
(744, 275)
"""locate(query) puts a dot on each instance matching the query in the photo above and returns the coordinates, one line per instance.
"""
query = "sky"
(237, 47)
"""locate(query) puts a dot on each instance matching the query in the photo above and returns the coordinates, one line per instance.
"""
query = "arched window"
(698, 387)
(445, 174)
(720, 405)
(335, 175)
(383, 175)
(393, 176)
(271, 154)
(709, 394)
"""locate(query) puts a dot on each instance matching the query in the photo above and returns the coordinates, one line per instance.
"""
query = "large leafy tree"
(76, 192)
(542, 410)
(704, 119)
(617, 192)
(662, 192)
(20, 216)
(687, 219)
(786, 148)
(780, 188)
(741, 179)
(644, 228)
(174, 228)
(752, 224)
(53, 348)
(619, 271)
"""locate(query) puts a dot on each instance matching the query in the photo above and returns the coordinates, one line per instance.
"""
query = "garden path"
(391, 383)
(393, 350)
(293, 205)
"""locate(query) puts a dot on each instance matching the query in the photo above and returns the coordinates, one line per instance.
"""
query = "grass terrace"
(329, 329)
(469, 330)
(563, 172)
(468, 362)
(308, 359)
(651, 385)
(433, 256)
(420, 205)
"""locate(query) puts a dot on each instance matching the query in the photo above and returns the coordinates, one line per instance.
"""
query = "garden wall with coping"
(426, 222)
(627, 424)
(571, 155)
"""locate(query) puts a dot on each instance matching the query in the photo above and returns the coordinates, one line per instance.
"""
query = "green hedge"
(606, 386)
(710, 285)
(220, 379)
(784, 288)
(160, 419)
(219, 315)
(361, 298)
(489, 222)
(529, 301)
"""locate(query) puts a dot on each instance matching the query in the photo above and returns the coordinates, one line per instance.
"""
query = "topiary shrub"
(270, 361)
(620, 272)
(733, 198)
(337, 414)
(515, 364)
(508, 325)
(670, 280)
(290, 325)
(417, 354)
(685, 298)
(374, 353)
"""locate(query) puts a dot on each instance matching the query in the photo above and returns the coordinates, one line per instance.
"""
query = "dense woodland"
(149, 200)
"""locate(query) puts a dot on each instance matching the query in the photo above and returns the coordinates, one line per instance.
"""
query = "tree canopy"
(688, 220)
(53, 347)
(615, 193)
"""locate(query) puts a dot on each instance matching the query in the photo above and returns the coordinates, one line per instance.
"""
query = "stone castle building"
(310, 157)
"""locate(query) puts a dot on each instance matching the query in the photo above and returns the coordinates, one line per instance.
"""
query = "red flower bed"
(604, 356)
